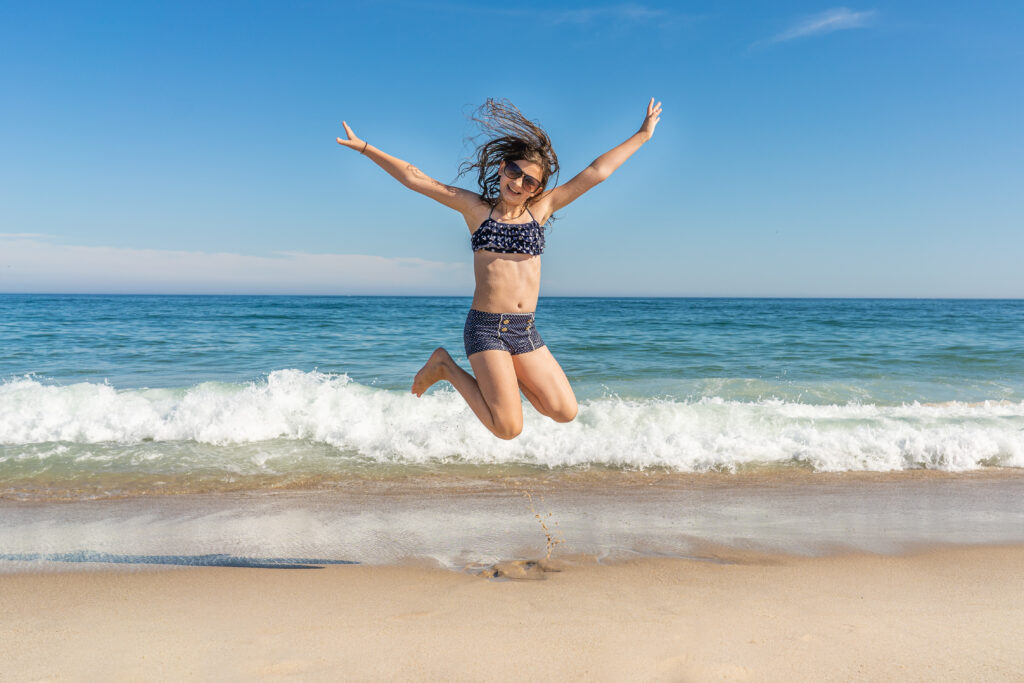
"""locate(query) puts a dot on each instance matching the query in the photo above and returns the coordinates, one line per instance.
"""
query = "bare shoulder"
(542, 208)
(476, 212)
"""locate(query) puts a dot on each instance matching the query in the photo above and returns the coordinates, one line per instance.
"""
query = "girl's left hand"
(653, 116)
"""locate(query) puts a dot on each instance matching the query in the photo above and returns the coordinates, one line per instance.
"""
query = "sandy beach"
(798, 576)
(950, 613)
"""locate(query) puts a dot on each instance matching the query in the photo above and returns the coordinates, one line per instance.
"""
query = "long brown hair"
(509, 136)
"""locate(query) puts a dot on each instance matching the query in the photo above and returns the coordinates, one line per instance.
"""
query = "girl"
(505, 220)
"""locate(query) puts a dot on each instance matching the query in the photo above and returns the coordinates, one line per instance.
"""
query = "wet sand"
(953, 613)
(454, 521)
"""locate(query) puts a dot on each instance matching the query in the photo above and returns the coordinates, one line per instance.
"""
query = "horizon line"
(553, 296)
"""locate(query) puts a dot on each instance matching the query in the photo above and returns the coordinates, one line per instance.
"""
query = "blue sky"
(805, 149)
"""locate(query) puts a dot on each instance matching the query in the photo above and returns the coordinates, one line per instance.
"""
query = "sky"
(805, 148)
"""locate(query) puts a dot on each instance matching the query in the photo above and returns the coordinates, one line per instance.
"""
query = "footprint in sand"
(522, 570)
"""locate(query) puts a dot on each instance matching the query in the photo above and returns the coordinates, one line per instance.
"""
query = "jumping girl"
(502, 342)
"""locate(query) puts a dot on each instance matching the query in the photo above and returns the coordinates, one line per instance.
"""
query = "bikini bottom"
(512, 332)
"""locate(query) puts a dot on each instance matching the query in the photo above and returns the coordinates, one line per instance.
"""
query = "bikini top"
(509, 238)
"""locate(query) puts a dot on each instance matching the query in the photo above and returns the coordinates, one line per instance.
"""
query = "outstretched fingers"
(353, 140)
(653, 109)
(652, 118)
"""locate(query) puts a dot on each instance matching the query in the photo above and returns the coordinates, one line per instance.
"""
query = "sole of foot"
(431, 373)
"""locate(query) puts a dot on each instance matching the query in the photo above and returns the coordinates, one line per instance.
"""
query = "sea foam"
(700, 434)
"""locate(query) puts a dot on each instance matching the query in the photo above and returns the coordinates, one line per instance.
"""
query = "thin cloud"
(622, 12)
(838, 19)
(628, 12)
(32, 265)
(23, 235)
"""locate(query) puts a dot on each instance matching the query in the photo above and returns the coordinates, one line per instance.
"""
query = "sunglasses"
(512, 172)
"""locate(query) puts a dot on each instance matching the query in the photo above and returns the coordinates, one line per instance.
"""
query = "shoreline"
(949, 613)
(453, 522)
(479, 478)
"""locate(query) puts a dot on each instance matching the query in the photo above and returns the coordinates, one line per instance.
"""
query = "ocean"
(108, 401)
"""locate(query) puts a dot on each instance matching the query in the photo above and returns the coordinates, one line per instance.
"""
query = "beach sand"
(952, 613)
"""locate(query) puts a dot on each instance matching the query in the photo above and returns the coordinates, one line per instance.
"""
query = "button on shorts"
(512, 332)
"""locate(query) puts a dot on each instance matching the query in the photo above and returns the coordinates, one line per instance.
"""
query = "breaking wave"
(313, 422)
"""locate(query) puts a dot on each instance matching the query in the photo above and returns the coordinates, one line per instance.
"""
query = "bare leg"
(533, 399)
(494, 398)
(544, 383)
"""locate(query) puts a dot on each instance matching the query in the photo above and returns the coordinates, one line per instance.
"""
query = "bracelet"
(363, 150)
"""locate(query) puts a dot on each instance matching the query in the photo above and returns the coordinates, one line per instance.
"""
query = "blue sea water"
(114, 395)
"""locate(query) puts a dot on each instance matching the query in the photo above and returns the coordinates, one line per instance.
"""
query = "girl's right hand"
(353, 141)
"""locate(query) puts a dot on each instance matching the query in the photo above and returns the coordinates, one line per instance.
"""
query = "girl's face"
(513, 191)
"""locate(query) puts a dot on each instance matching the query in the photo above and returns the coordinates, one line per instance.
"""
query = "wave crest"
(710, 433)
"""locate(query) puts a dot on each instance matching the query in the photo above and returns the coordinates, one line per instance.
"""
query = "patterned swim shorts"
(512, 332)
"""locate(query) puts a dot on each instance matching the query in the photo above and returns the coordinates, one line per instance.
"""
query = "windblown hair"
(509, 136)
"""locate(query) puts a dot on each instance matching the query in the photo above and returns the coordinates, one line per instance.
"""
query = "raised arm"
(603, 166)
(410, 176)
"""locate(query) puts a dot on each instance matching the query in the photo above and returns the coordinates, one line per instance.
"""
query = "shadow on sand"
(213, 560)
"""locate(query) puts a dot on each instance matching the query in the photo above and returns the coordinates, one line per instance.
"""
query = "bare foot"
(432, 372)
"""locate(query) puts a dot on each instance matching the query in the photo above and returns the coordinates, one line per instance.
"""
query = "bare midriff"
(506, 283)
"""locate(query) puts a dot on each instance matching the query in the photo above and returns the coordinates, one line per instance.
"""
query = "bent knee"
(565, 413)
(508, 426)
(508, 432)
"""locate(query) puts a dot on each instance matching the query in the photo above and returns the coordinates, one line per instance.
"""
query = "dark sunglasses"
(512, 171)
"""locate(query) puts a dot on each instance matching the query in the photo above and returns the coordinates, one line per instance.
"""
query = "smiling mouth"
(509, 188)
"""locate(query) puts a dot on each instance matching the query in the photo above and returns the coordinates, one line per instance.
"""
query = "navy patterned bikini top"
(509, 238)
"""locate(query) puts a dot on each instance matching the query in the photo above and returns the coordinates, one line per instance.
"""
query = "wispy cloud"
(630, 12)
(837, 19)
(28, 264)
(627, 12)
(22, 235)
